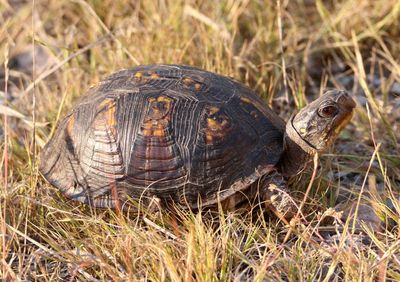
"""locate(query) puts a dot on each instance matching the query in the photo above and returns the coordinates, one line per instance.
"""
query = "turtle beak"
(345, 101)
(347, 104)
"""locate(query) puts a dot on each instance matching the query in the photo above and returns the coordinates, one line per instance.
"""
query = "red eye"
(328, 111)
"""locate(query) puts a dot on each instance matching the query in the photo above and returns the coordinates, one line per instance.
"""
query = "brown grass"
(346, 44)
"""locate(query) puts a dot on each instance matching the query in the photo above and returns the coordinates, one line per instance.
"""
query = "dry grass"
(348, 44)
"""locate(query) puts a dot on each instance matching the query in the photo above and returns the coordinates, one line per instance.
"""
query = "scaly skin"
(309, 132)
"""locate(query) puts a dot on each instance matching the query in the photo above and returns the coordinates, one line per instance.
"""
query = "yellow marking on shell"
(197, 86)
(224, 123)
(154, 76)
(106, 103)
(216, 125)
(212, 124)
(147, 132)
(216, 129)
(138, 74)
(156, 110)
(110, 116)
(215, 135)
(107, 115)
(213, 110)
(70, 124)
(209, 138)
(188, 81)
(151, 129)
(303, 130)
(159, 133)
(163, 99)
(245, 99)
(157, 118)
(111, 108)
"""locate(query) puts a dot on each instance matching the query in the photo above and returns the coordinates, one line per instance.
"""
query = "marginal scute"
(256, 110)
(249, 106)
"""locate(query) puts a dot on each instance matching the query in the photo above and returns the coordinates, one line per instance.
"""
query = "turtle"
(183, 136)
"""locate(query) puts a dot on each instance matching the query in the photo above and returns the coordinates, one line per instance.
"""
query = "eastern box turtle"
(185, 136)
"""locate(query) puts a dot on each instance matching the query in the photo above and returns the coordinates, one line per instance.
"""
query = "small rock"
(365, 216)
(395, 88)
(21, 70)
(23, 62)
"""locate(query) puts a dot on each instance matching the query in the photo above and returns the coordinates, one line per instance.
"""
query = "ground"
(288, 52)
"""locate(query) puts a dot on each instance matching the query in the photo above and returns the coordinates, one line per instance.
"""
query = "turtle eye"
(328, 111)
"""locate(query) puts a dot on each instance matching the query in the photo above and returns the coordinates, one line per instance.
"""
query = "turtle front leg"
(271, 191)
(274, 192)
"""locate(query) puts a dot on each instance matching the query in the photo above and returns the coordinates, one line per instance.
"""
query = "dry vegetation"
(338, 43)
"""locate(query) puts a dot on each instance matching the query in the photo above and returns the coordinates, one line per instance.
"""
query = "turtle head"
(315, 128)
(319, 123)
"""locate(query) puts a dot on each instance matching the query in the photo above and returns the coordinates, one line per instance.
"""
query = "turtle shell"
(178, 133)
